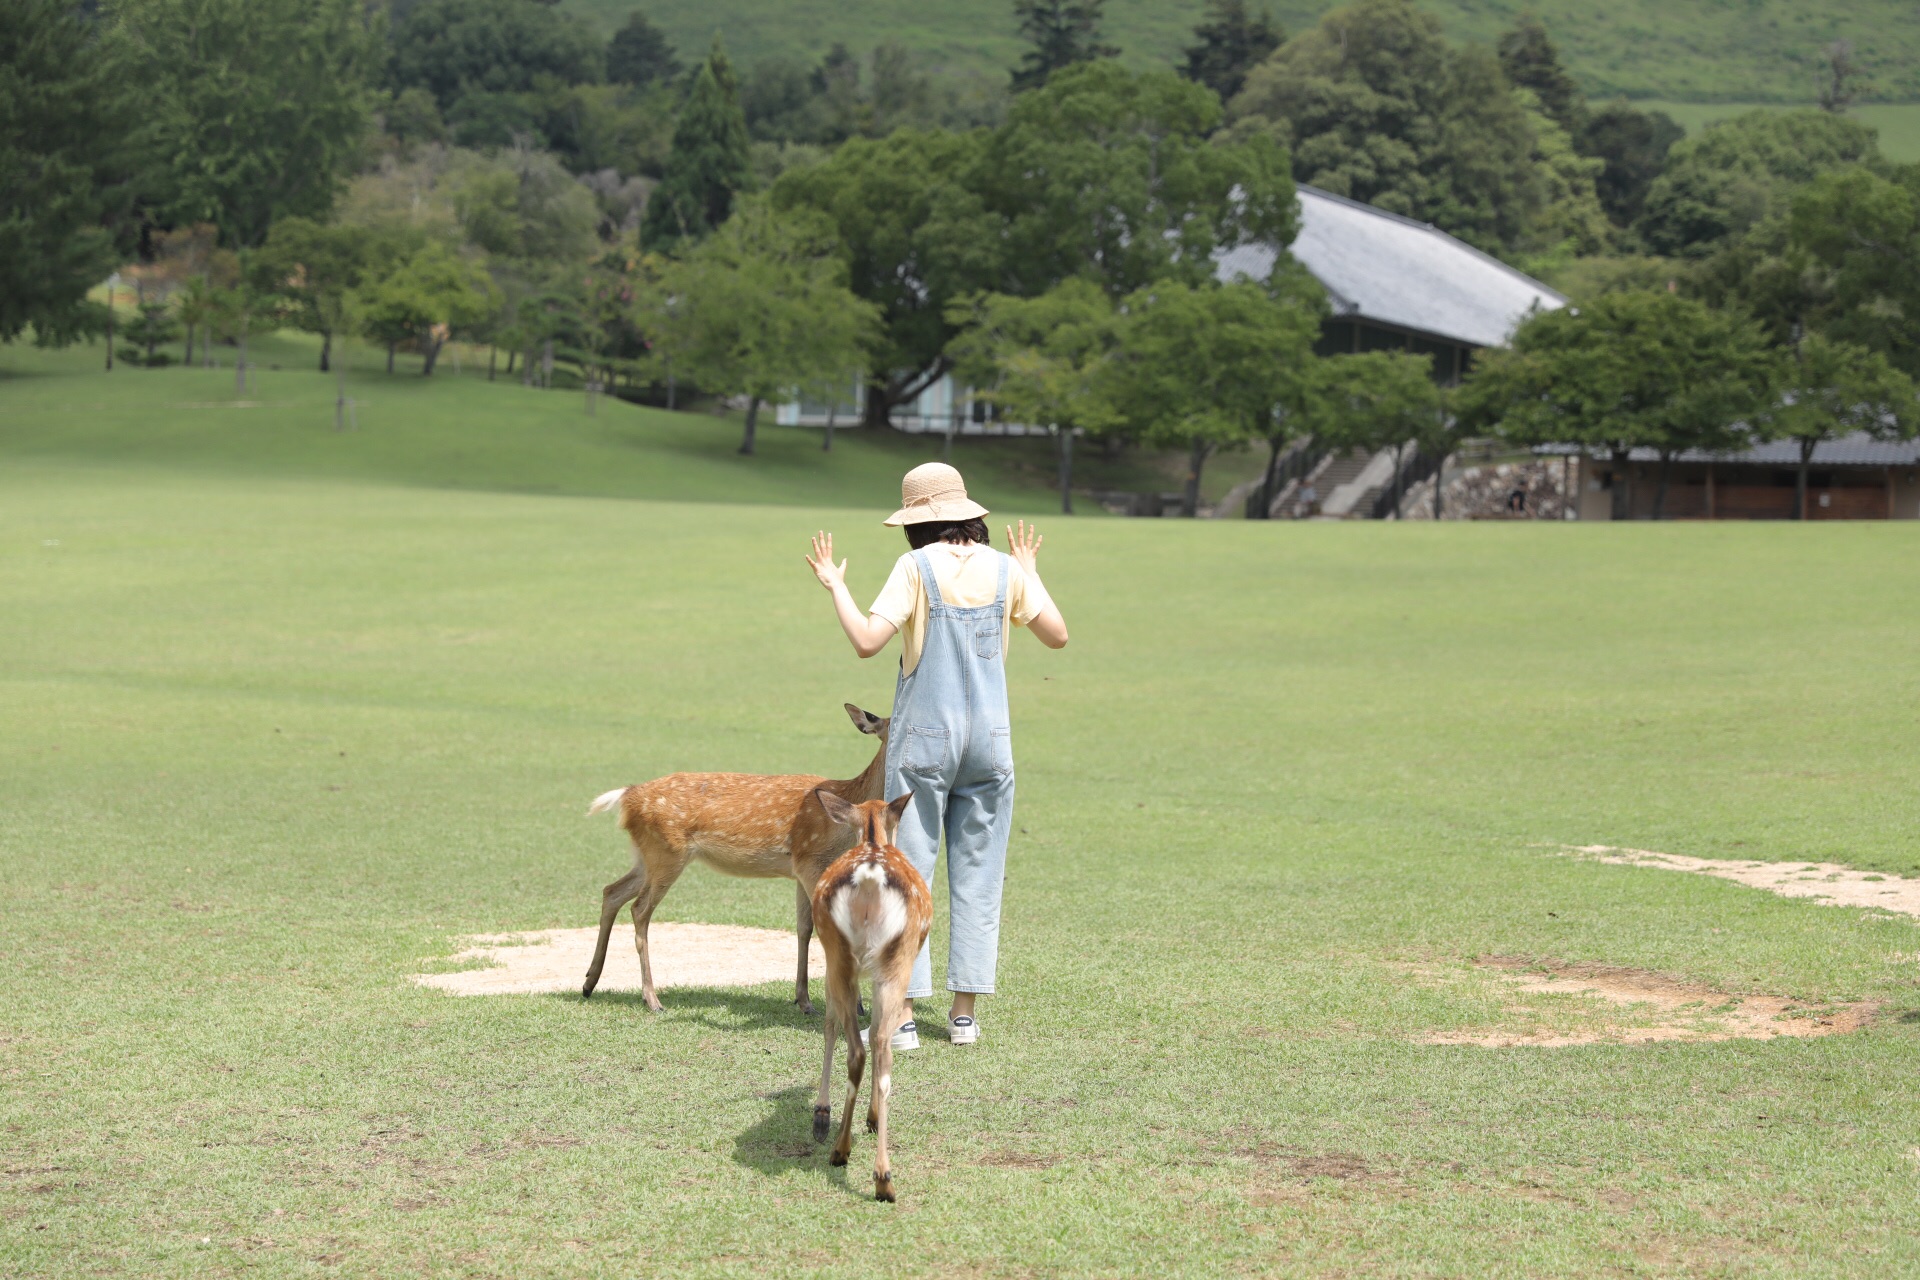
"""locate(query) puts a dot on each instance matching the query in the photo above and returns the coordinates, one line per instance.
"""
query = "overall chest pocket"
(986, 638)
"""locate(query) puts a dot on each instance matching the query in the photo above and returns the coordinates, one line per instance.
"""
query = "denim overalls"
(951, 745)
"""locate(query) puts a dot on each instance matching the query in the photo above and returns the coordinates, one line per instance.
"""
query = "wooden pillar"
(1710, 490)
(1889, 493)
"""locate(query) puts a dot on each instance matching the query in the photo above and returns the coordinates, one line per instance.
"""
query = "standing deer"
(872, 910)
(762, 826)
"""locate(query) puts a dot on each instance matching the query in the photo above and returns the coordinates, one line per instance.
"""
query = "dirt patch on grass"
(1824, 882)
(1637, 1006)
(684, 955)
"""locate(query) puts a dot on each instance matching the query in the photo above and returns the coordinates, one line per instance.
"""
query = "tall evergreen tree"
(1062, 33)
(640, 53)
(709, 163)
(1632, 145)
(1531, 61)
(63, 131)
(1228, 43)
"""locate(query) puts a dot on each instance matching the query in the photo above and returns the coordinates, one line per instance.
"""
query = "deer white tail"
(611, 800)
(869, 913)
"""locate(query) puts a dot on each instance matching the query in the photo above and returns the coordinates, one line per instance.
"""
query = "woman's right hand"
(831, 575)
(1024, 547)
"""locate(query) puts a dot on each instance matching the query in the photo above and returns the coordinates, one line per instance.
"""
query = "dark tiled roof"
(1856, 450)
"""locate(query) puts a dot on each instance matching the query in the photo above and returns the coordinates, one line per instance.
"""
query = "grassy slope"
(461, 432)
(1766, 50)
(271, 746)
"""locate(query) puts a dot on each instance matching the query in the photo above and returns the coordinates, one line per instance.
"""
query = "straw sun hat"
(934, 491)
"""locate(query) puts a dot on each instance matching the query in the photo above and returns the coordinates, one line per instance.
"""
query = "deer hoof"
(837, 1159)
(883, 1187)
(873, 1123)
(822, 1121)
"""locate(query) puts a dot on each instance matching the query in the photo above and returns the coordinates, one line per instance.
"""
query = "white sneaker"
(963, 1030)
(907, 1037)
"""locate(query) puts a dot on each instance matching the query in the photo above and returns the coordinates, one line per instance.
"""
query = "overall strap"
(927, 583)
(1000, 591)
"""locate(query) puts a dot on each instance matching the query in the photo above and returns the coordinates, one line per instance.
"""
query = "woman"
(952, 598)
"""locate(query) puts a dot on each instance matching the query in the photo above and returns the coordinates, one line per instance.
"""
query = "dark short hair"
(928, 532)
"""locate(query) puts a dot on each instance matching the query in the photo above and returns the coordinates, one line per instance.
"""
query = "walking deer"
(872, 910)
(762, 826)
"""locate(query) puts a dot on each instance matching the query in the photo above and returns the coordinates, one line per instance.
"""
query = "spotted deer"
(762, 826)
(872, 910)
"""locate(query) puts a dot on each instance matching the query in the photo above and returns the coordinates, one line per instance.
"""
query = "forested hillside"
(1706, 50)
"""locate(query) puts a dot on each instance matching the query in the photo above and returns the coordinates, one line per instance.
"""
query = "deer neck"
(872, 780)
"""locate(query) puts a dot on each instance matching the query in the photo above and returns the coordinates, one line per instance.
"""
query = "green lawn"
(1898, 122)
(1765, 50)
(276, 739)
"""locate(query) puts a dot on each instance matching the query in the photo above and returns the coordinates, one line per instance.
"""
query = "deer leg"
(887, 1000)
(803, 929)
(822, 1102)
(842, 997)
(612, 898)
(662, 870)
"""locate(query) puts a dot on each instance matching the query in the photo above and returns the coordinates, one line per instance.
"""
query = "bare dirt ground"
(1822, 881)
(1614, 1005)
(684, 955)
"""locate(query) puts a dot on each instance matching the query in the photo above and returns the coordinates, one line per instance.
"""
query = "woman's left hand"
(831, 575)
(1024, 546)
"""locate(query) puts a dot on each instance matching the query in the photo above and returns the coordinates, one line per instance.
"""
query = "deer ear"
(838, 810)
(897, 807)
(865, 721)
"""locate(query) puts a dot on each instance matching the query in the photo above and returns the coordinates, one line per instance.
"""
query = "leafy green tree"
(1063, 33)
(1861, 230)
(1532, 61)
(1827, 389)
(412, 119)
(256, 108)
(1202, 368)
(1377, 107)
(1114, 175)
(1383, 400)
(761, 309)
(522, 205)
(1570, 217)
(640, 54)
(915, 236)
(314, 266)
(428, 298)
(1229, 42)
(709, 163)
(1042, 361)
(464, 49)
(1626, 370)
(151, 326)
(195, 306)
(64, 125)
(1727, 179)
(1632, 146)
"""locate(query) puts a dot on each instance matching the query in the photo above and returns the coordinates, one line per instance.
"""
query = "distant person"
(953, 598)
(1517, 502)
(1309, 499)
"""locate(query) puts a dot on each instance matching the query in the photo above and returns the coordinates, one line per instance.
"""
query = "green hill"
(1753, 50)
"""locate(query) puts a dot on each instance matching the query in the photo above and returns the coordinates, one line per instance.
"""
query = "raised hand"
(1024, 546)
(821, 562)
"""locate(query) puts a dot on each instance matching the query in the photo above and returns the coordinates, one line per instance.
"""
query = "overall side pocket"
(1002, 751)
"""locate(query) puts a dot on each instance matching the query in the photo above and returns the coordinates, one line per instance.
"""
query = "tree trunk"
(1439, 480)
(390, 346)
(1066, 470)
(1190, 501)
(1622, 508)
(879, 410)
(493, 357)
(326, 350)
(753, 421)
(546, 365)
(340, 396)
(240, 363)
(1274, 445)
(1800, 479)
(432, 356)
(1660, 492)
(826, 441)
(109, 330)
(513, 353)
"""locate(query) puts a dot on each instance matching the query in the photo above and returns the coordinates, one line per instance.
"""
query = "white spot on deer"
(886, 1086)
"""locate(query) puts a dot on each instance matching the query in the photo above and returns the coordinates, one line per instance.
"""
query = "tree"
(1531, 61)
(1828, 389)
(1201, 368)
(427, 298)
(472, 49)
(1062, 33)
(257, 108)
(195, 306)
(1383, 400)
(522, 206)
(1861, 230)
(151, 326)
(1627, 370)
(761, 309)
(708, 164)
(1378, 108)
(1838, 93)
(915, 236)
(640, 54)
(1042, 361)
(1727, 179)
(1229, 42)
(1116, 176)
(64, 123)
(314, 266)
(1632, 147)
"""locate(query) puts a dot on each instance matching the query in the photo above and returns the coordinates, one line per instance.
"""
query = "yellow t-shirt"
(966, 574)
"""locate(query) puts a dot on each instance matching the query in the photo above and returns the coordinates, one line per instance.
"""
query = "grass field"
(1763, 50)
(276, 740)
(1897, 122)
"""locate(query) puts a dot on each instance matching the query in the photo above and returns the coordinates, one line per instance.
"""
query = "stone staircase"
(1336, 471)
